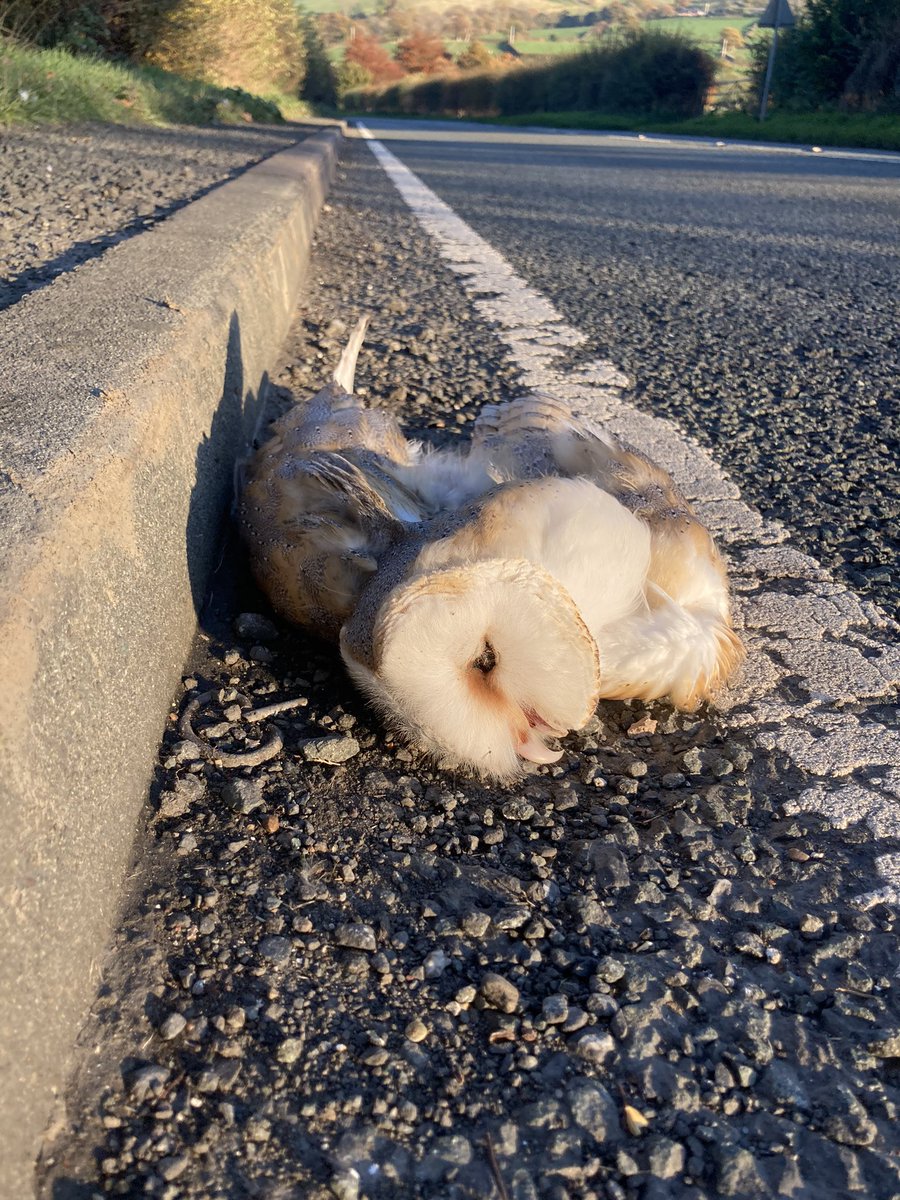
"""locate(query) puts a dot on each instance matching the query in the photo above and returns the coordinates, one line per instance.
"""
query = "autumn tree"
(396, 19)
(458, 22)
(422, 54)
(475, 55)
(333, 27)
(365, 53)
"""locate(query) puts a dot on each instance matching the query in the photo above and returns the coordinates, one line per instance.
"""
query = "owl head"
(478, 665)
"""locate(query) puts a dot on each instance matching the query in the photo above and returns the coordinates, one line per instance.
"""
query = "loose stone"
(243, 795)
(172, 1026)
(356, 936)
(555, 1009)
(171, 1167)
(595, 1047)
(275, 948)
(289, 1050)
(499, 993)
(330, 750)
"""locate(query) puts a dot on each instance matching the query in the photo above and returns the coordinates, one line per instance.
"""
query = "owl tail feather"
(685, 652)
(345, 371)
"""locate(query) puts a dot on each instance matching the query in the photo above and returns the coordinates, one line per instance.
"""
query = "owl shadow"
(234, 425)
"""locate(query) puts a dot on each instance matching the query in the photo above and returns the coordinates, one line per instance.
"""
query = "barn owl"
(485, 601)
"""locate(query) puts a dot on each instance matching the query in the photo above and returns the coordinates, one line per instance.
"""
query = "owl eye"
(486, 660)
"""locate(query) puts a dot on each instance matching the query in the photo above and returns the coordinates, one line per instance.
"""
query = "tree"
(458, 22)
(320, 85)
(840, 51)
(351, 75)
(475, 55)
(732, 39)
(364, 52)
(334, 27)
(422, 54)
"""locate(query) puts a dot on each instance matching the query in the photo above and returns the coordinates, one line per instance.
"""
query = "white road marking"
(541, 135)
(816, 649)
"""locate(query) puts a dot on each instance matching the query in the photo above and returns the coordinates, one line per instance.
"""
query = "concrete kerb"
(129, 387)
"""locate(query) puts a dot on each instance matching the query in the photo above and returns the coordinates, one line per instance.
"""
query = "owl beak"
(532, 749)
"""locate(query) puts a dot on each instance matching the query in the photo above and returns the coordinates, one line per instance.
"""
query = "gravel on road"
(348, 974)
(67, 194)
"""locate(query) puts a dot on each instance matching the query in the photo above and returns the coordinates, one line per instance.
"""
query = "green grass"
(705, 31)
(872, 132)
(537, 42)
(370, 6)
(358, 6)
(53, 86)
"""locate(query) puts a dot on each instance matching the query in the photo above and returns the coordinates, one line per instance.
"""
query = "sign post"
(778, 15)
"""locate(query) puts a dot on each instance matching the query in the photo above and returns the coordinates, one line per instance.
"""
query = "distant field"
(707, 31)
(352, 6)
(358, 6)
(553, 41)
(544, 43)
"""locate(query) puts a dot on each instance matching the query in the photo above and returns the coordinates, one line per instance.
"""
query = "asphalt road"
(752, 294)
(644, 973)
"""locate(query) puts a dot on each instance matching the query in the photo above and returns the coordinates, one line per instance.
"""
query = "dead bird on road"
(486, 600)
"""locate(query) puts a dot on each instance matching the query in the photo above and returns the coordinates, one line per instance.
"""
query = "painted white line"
(446, 131)
(816, 650)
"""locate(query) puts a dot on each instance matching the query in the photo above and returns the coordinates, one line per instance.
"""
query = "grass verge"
(53, 86)
(863, 130)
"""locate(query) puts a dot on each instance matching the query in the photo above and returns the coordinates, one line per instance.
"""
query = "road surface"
(665, 967)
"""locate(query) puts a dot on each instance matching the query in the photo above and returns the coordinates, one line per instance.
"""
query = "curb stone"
(130, 386)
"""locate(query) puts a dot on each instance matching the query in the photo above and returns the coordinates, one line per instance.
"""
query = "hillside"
(502, 33)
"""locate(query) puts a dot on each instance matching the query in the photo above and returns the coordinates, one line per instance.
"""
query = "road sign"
(777, 15)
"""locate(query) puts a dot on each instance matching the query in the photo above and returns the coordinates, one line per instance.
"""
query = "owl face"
(478, 665)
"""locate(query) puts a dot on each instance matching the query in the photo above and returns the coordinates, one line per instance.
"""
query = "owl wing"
(316, 527)
(540, 435)
(336, 419)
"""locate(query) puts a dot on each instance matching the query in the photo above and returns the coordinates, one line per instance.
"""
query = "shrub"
(649, 72)
(653, 73)
(252, 44)
(522, 89)
(475, 56)
(471, 92)
(428, 95)
(420, 53)
(121, 28)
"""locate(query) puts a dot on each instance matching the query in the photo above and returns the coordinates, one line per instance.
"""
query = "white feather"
(663, 650)
(444, 480)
